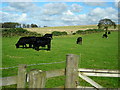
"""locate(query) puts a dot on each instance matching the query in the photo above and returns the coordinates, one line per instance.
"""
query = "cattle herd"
(36, 42)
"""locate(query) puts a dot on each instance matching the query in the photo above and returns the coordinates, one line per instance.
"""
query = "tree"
(24, 25)
(105, 24)
(10, 25)
(33, 25)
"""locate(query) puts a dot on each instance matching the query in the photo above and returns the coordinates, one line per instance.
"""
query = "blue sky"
(58, 13)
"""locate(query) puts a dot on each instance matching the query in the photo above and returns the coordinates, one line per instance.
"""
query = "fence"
(37, 78)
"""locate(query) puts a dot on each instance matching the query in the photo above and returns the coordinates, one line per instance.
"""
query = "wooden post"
(37, 79)
(21, 79)
(71, 71)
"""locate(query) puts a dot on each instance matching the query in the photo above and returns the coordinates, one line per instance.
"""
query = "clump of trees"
(17, 25)
(9, 32)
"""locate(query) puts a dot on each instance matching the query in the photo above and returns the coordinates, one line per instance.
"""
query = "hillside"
(68, 29)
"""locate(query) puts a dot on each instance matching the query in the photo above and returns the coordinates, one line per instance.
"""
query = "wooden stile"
(71, 71)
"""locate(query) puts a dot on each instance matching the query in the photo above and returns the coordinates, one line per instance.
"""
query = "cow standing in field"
(25, 40)
(79, 40)
(42, 41)
(109, 32)
(35, 42)
(105, 36)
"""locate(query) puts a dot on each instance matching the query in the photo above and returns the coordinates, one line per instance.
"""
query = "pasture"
(95, 52)
(68, 29)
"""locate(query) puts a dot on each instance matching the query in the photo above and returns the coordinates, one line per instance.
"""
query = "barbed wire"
(32, 65)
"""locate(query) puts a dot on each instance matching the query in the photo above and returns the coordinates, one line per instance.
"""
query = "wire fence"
(32, 65)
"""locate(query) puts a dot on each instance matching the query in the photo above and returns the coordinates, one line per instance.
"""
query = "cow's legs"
(24, 46)
(30, 45)
(37, 48)
(49, 46)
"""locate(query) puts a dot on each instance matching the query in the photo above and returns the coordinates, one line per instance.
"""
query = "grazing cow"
(105, 35)
(48, 35)
(25, 40)
(42, 41)
(79, 40)
(109, 32)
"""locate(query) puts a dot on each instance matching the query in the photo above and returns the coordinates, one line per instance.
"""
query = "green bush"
(95, 30)
(64, 33)
(58, 33)
(79, 32)
(88, 31)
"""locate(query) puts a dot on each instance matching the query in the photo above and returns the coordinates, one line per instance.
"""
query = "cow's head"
(17, 46)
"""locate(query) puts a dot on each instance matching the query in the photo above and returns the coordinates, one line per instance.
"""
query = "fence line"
(32, 65)
(59, 72)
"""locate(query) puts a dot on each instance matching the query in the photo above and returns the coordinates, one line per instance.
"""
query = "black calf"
(109, 32)
(79, 40)
(104, 36)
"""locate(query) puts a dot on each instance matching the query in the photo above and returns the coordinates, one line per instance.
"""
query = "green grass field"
(95, 52)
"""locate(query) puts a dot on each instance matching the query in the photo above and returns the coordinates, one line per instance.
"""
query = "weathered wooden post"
(71, 71)
(21, 79)
(37, 79)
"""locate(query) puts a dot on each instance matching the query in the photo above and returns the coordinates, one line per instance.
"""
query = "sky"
(58, 13)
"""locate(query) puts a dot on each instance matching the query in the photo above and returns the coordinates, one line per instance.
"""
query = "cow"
(109, 32)
(48, 35)
(25, 40)
(105, 35)
(42, 41)
(79, 40)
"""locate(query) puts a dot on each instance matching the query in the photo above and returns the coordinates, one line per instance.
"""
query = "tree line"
(17, 25)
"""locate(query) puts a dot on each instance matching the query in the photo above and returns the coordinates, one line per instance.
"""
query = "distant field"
(68, 29)
(96, 52)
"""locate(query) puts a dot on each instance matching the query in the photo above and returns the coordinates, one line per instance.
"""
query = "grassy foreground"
(96, 52)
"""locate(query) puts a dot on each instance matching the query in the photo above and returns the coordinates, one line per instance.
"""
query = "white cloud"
(54, 8)
(17, 0)
(100, 13)
(117, 3)
(56, 14)
(68, 13)
(8, 17)
(22, 18)
(21, 7)
(76, 8)
(95, 3)
(73, 0)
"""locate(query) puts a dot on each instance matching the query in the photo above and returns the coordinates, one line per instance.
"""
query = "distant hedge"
(58, 33)
(18, 32)
(88, 31)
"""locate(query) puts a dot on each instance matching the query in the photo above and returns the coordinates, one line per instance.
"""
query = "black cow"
(105, 36)
(25, 40)
(109, 32)
(48, 35)
(42, 41)
(79, 40)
